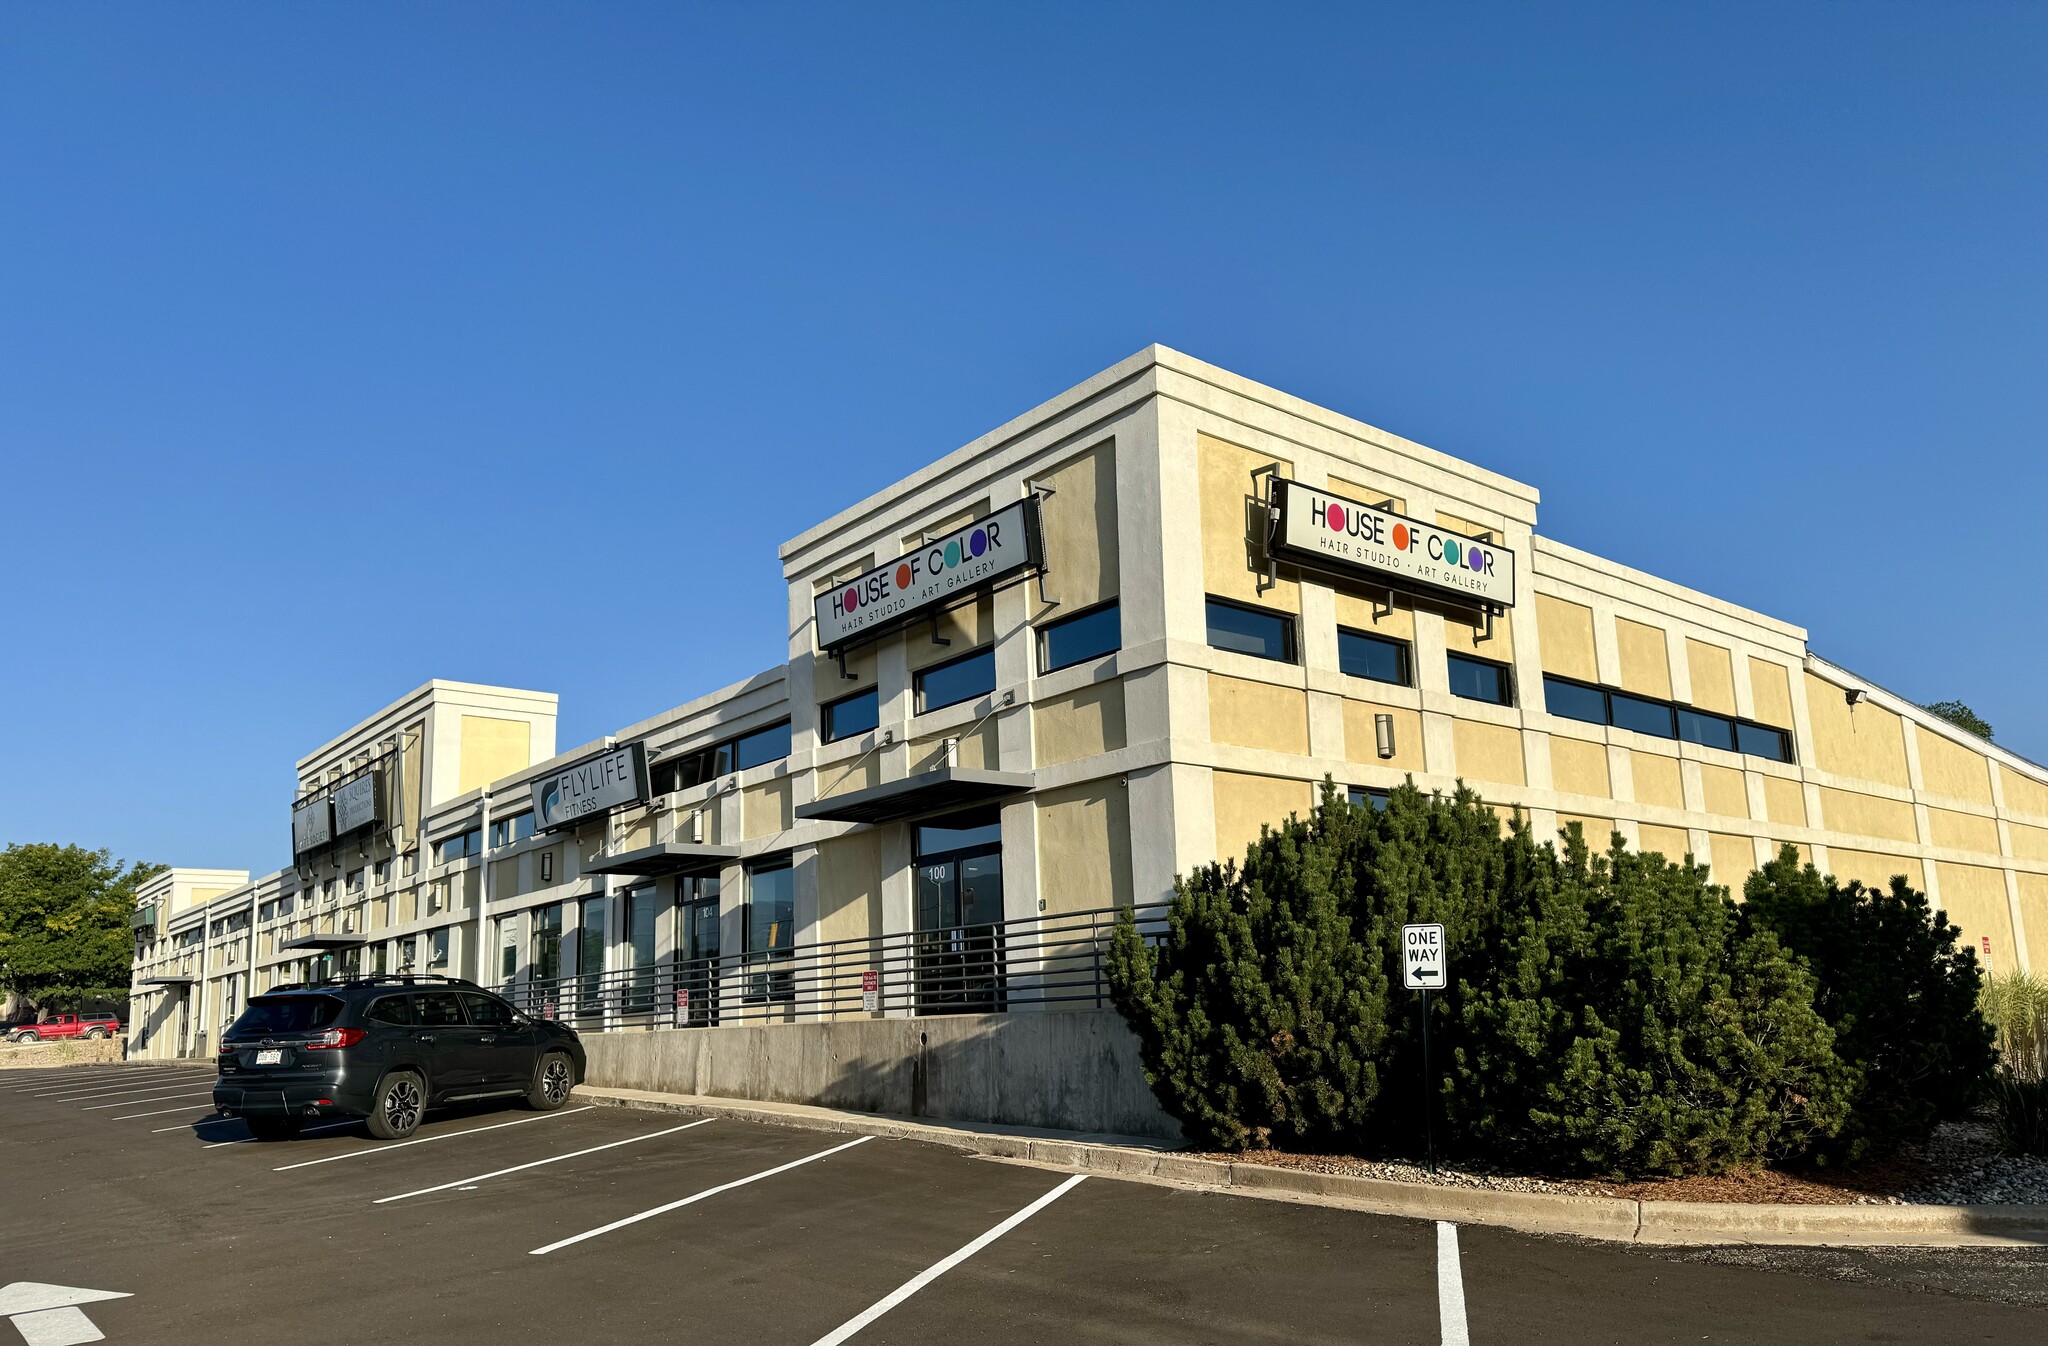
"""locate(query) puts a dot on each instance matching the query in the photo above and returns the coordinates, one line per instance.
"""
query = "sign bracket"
(839, 654)
(1041, 492)
(938, 639)
(1262, 496)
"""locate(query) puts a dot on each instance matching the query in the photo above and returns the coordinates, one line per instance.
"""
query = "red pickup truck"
(58, 1027)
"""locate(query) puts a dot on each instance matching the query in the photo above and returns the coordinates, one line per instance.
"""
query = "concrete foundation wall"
(71, 1052)
(1073, 1072)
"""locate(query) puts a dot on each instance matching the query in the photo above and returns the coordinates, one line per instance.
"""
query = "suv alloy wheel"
(401, 1100)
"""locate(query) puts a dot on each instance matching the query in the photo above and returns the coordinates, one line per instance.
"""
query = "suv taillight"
(333, 1039)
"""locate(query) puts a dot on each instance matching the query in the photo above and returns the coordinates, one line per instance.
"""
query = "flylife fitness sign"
(312, 824)
(592, 786)
(1333, 533)
(973, 557)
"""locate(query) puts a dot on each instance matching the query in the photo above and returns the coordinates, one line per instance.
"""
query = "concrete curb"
(1614, 1219)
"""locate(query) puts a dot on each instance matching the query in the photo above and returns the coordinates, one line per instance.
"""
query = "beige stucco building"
(1035, 680)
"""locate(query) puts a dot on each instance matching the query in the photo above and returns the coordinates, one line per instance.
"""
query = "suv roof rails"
(375, 979)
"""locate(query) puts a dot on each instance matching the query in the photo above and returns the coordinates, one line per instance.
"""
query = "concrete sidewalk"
(1609, 1218)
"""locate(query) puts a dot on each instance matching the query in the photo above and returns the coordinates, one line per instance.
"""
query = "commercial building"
(1029, 684)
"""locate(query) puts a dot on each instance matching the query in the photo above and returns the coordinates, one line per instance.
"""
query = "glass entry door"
(959, 915)
(696, 952)
(642, 914)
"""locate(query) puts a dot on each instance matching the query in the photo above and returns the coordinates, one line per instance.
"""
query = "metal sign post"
(1425, 968)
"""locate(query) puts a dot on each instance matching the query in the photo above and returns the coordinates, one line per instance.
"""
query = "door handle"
(422, 1037)
(488, 1037)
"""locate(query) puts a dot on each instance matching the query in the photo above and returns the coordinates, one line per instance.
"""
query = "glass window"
(959, 834)
(487, 1011)
(459, 846)
(642, 909)
(1083, 636)
(355, 880)
(546, 942)
(1375, 657)
(508, 831)
(761, 746)
(770, 913)
(286, 1014)
(850, 715)
(956, 680)
(590, 937)
(1760, 741)
(1642, 715)
(391, 1009)
(1254, 631)
(1715, 731)
(437, 948)
(438, 1009)
(1480, 680)
(1369, 798)
(1574, 700)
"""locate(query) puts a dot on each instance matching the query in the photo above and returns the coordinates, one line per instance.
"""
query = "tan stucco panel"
(1245, 803)
(1080, 532)
(1579, 767)
(1645, 661)
(841, 778)
(1258, 714)
(1361, 735)
(2028, 843)
(1227, 556)
(1083, 723)
(1084, 847)
(1657, 780)
(1733, 859)
(1670, 842)
(1365, 611)
(1952, 770)
(1866, 815)
(969, 626)
(1784, 801)
(1963, 831)
(765, 808)
(1713, 676)
(1974, 898)
(1565, 631)
(1865, 742)
(976, 750)
(1726, 792)
(2023, 794)
(1874, 871)
(1463, 629)
(1487, 752)
(492, 748)
(1770, 692)
(1598, 831)
(1367, 494)
(2034, 916)
(850, 886)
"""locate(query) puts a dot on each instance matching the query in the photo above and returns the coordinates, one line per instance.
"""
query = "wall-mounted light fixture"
(1383, 729)
(1853, 695)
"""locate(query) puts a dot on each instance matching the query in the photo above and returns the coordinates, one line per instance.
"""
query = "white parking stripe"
(158, 1113)
(1450, 1286)
(160, 1098)
(309, 1131)
(156, 1077)
(389, 1146)
(69, 1095)
(20, 1082)
(516, 1168)
(187, 1126)
(931, 1273)
(692, 1200)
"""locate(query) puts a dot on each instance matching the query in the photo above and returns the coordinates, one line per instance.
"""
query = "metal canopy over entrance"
(326, 942)
(949, 787)
(668, 858)
(165, 981)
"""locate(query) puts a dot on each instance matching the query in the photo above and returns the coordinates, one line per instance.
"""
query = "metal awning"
(169, 979)
(670, 857)
(326, 942)
(949, 787)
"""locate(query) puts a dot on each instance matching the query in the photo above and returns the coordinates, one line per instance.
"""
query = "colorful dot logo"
(903, 577)
(1334, 516)
(1400, 537)
(978, 543)
(852, 599)
(1451, 552)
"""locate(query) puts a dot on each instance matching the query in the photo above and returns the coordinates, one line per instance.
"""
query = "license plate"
(270, 1058)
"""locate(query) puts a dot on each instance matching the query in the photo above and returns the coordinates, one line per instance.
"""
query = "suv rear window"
(286, 1014)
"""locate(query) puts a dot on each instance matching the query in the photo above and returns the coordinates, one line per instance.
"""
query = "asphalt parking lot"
(601, 1224)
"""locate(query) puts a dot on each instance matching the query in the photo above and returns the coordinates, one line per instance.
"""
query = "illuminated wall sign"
(358, 803)
(940, 572)
(593, 786)
(312, 824)
(1333, 533)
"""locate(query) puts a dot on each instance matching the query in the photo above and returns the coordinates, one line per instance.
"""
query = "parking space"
(601, 1224)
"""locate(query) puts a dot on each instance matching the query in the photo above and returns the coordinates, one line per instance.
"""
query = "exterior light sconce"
(1853, 695)
(697, 828)
(1383, 730)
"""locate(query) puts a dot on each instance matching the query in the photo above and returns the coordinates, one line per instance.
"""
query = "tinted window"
(1373, 799)
(1696, 726)
(286, 1014)
(851, 715)
(487, 1011)
(1762, 742)
(1575, 701)
(437, 1009)
(770, 909)
(763, 745)
(1478, 680)
(392, 1009)
(958, 834)
(1643, 716)
(1254, 631)
(1375, 657)
(1086, 635)
(961, 680)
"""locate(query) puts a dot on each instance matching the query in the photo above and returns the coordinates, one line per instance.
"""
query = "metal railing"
(975, 969)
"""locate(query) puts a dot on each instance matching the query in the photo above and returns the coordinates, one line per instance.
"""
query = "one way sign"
(1423, 965)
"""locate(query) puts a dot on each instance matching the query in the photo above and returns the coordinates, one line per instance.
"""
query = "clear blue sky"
(343, 347)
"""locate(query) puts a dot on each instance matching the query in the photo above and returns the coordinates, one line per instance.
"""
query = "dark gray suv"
(386, 1049)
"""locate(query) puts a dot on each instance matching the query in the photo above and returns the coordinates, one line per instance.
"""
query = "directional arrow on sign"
(48, 1315)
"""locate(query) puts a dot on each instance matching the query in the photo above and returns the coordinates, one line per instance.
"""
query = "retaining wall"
(74, 1052)
(1066, 1071)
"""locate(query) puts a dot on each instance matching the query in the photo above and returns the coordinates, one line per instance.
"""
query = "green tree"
(64, 935)
(1961, 716)
(1901, 995)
